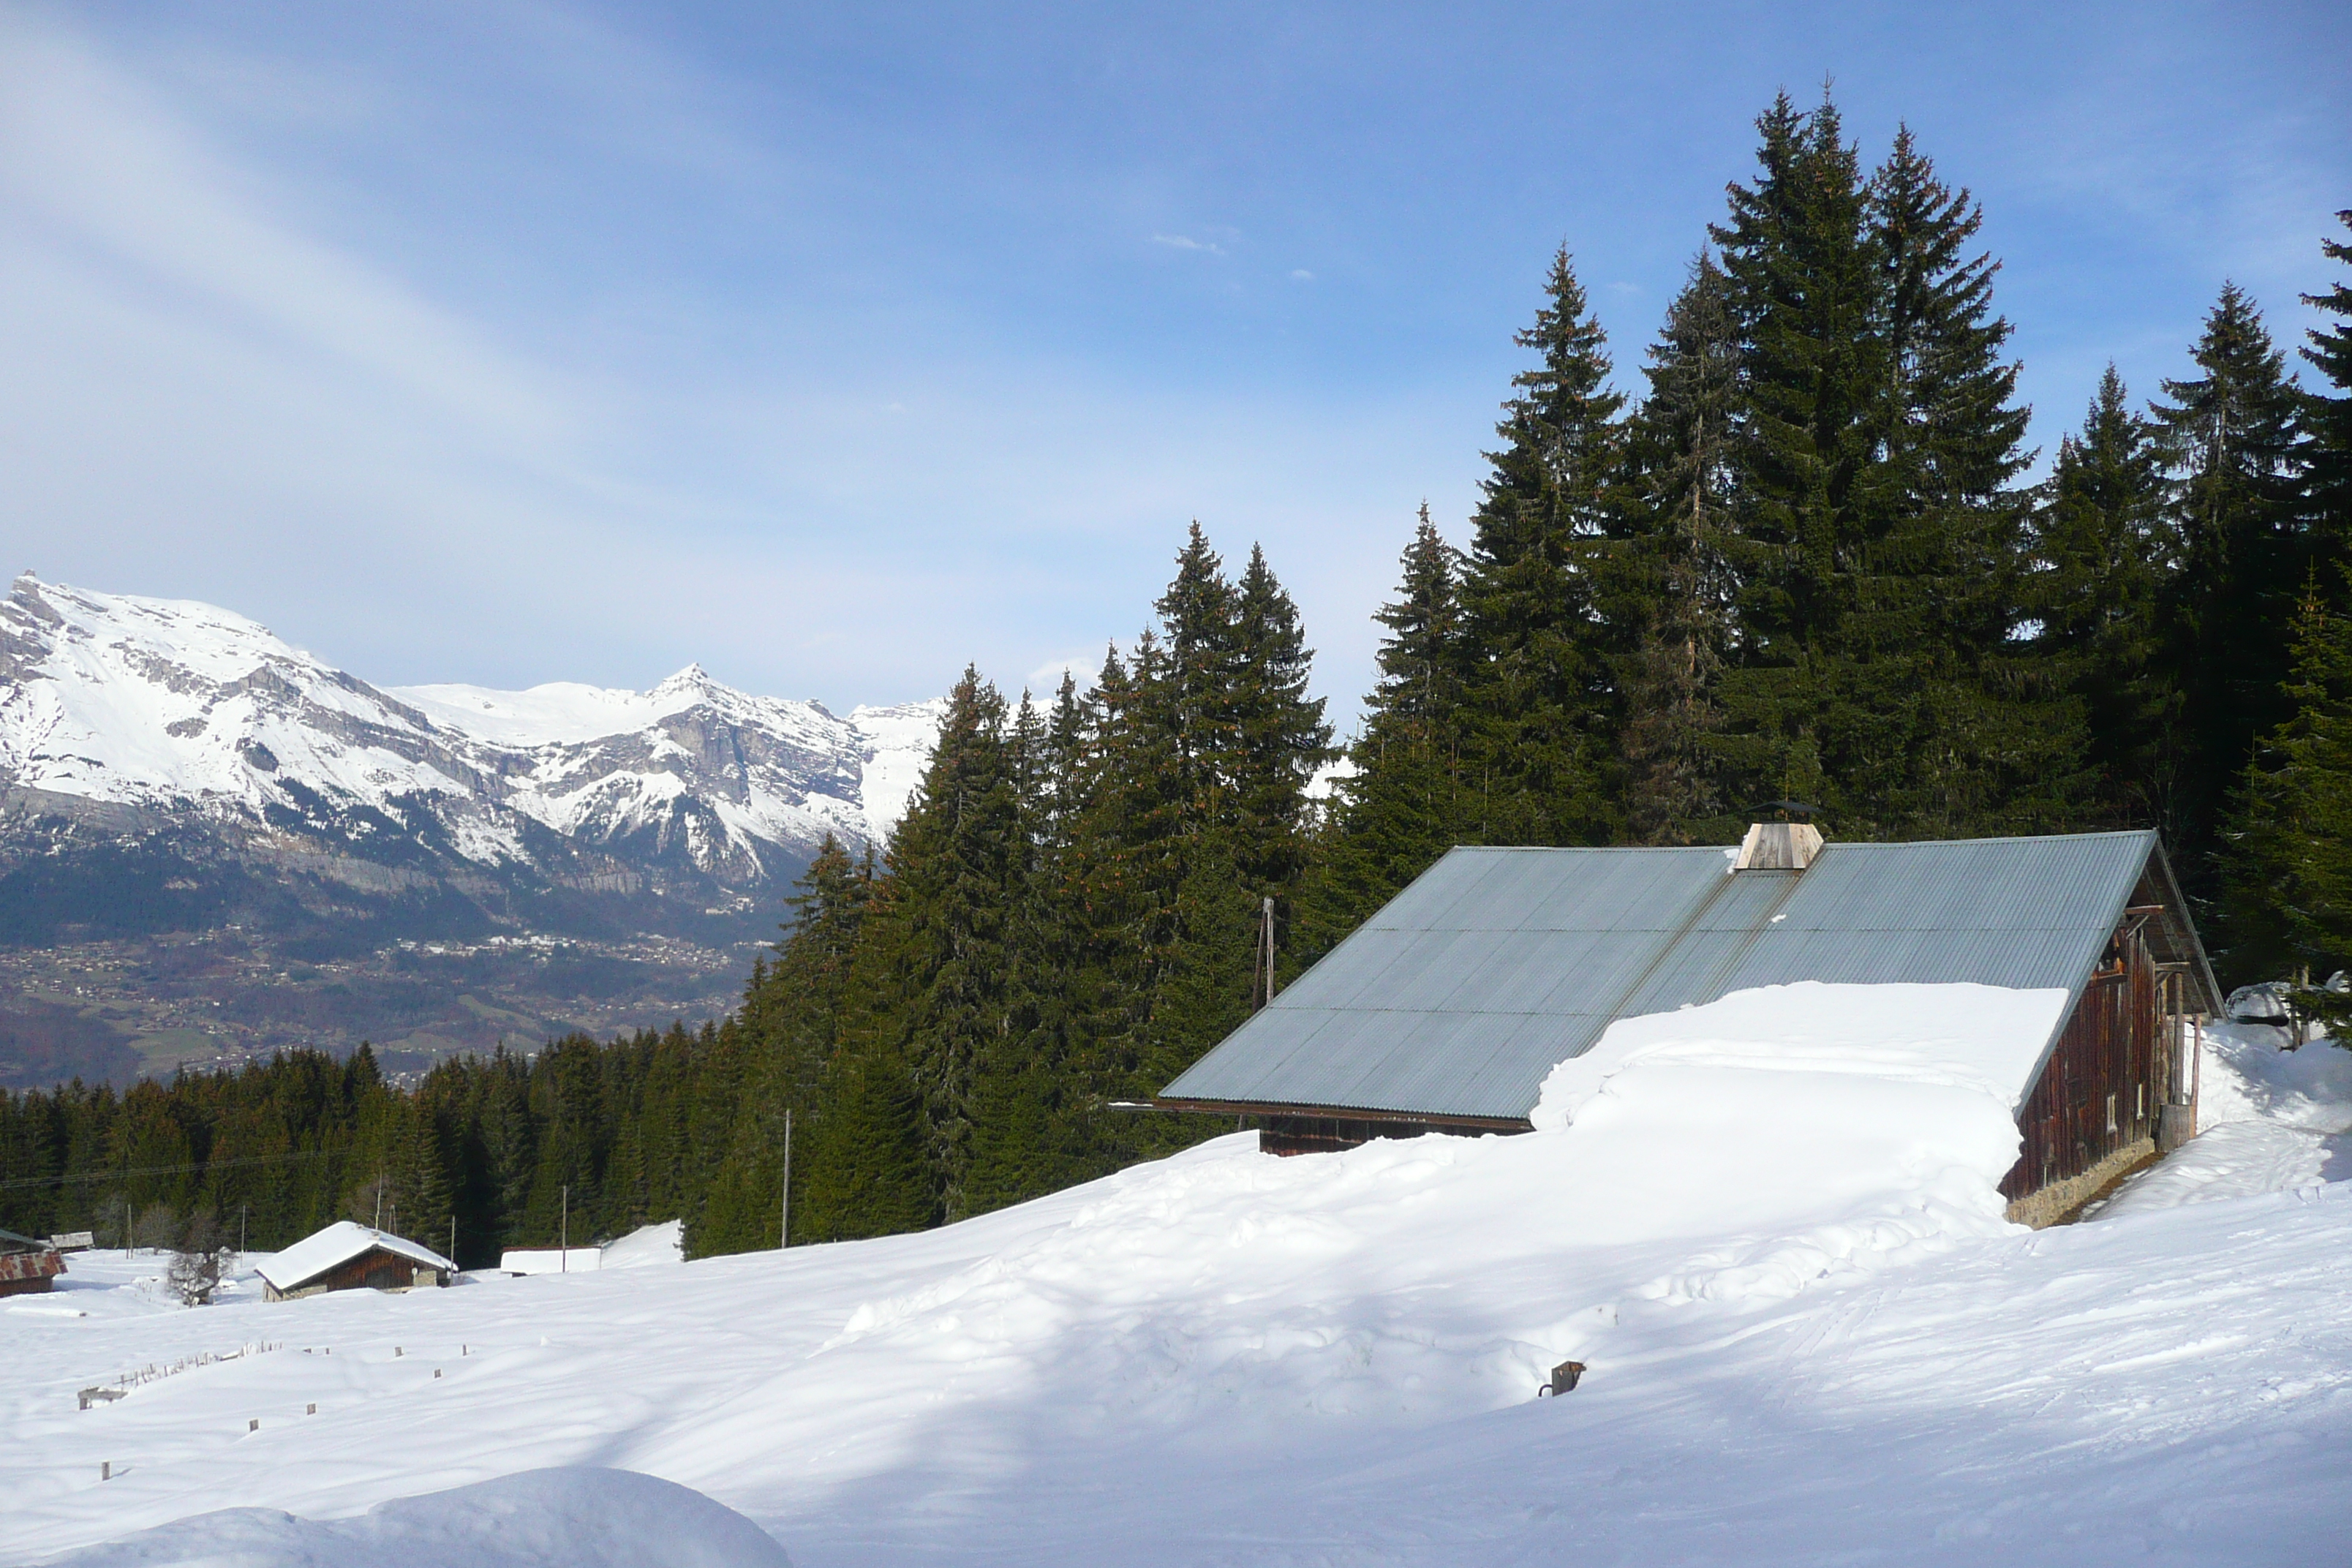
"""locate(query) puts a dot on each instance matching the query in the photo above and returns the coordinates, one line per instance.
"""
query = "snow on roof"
(338, 1245)
(551, 1260)
(1459, 996)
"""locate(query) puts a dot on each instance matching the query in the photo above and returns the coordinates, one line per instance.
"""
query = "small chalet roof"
(337, 1245)
(1456, 1001)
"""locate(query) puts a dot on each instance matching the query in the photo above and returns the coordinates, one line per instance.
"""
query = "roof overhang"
(1349, 1113)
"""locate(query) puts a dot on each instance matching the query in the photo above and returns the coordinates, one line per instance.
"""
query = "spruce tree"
(1540, 707)
(2289, 885)
(2328, 419)
(1402, 805)
(2106, 549)
(940, 967)
(1805, 277)
(793, 1015)
(2232, 442)
(1944, 592)
(870, 1169)
(1881, 549)
(1680, 585)
(1279, 739)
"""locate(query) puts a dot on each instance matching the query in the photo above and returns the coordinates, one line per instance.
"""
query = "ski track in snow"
(1228, 1359)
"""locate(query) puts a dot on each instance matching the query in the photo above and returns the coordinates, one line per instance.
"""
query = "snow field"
(1812, 1339)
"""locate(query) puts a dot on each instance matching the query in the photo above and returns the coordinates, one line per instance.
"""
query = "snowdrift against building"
(564, 1518)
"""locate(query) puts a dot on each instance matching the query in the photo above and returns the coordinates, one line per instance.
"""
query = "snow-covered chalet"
(1447, 1009)
(349, 1256)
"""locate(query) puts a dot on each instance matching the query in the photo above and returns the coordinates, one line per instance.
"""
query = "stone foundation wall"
(2059, 1200)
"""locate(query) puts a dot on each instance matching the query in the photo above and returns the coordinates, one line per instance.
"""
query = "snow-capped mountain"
(137, 726)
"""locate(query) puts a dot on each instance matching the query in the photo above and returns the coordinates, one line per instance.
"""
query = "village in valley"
(1773, 986)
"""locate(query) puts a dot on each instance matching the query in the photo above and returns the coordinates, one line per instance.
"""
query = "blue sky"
(834, 346)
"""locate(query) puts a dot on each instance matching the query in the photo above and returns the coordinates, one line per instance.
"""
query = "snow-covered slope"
(1810, 1339)
(569, 1517)
(128, 714)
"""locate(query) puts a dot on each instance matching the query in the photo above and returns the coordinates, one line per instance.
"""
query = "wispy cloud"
(100, 164)
(1186, 242)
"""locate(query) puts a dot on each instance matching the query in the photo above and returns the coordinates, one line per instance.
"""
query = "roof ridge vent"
(1778, 846)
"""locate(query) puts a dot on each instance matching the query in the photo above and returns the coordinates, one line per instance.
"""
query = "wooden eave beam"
(1349, 1113)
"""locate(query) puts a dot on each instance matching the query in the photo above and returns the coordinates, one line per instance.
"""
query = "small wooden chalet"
(1447, 1009)
(28, 1264)
(348, 1256)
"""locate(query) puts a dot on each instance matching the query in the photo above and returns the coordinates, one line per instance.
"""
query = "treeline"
(486, 1153)
(1804, 565)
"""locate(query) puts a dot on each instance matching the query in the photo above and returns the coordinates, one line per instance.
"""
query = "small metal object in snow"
(91, 1396)
(1563, 1378)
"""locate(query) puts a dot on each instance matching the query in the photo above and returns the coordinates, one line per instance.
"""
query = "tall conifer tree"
(1805, 290)
(1404, 804)
(2289, 882)
(1881, 549)
(1539, 704)
(2108, 548)
(1678, 562)
(2232, 440)
(2328, 418)
(939, 973)
(1279, 738)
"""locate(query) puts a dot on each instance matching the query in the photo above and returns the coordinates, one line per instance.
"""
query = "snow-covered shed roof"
(337, 1245)
(1457, 998)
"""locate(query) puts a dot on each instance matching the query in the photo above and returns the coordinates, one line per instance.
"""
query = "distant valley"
(213, 845)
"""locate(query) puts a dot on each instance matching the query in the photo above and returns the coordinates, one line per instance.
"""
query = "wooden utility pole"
(784, 1223)
(563, 1236)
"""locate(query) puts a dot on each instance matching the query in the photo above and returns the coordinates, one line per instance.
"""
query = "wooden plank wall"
(2111, 1053)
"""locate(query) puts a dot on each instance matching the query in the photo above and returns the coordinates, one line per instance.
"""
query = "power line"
(161, 1169)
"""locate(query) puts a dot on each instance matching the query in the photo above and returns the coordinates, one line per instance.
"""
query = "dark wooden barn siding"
(2110, 1054)
(377, 1270)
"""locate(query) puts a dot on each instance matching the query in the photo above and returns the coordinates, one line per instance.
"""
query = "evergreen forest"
(1806, 558)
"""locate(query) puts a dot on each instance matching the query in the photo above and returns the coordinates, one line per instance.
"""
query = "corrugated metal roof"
(1465, 991)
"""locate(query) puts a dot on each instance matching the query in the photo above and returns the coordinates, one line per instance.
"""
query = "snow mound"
(648, 1246)
(1981, 1039)
(1815, 1128)
(1735, 1153)
(569, 1517)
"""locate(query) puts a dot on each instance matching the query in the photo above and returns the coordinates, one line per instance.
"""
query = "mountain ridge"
(170, 770)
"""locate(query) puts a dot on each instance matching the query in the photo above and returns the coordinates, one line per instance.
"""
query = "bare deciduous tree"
(200, 1260)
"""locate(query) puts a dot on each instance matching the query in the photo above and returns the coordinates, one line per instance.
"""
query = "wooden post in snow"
(785, 1223)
